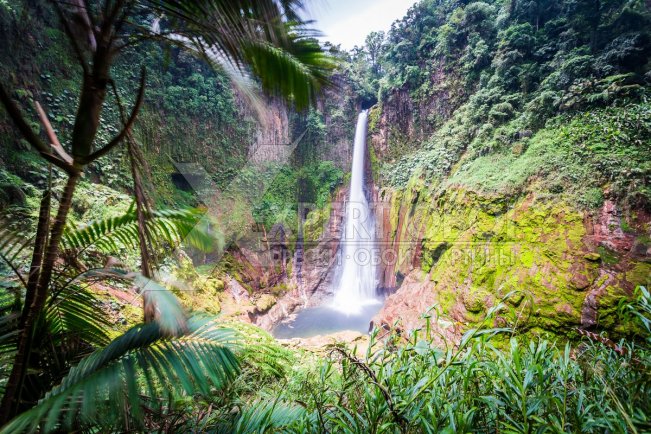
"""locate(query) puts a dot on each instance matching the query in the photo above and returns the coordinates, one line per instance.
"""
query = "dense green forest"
(169, 170)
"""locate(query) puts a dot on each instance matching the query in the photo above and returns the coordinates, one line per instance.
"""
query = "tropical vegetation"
(484, 115)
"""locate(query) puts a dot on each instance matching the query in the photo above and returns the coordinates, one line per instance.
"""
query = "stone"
(266, 302)
(593, 257)
(515, 299)
(475, 301)
(579, 282)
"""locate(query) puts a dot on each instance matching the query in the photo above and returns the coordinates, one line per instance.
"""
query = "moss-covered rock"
(264, 303)
(594, 257)
(477, 249)
(476, 301)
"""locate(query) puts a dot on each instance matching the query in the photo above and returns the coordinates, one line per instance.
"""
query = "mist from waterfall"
(355, 278)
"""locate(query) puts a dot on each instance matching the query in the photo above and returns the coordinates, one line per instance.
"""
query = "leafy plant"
(489, 382)
(171, 227)
(139, 373)
(73, 323)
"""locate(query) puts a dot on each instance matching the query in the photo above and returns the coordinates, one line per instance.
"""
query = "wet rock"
(312, 271)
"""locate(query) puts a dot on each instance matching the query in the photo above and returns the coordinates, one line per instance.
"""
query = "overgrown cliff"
(511, 148)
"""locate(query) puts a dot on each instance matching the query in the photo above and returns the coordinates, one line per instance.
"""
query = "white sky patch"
(347, 22)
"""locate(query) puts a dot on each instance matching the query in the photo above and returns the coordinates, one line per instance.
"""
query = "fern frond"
(143, 368)
(111, 234)
(13, 249)
(75, 313)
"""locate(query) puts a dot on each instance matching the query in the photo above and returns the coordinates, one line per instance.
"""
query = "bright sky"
(347, 22)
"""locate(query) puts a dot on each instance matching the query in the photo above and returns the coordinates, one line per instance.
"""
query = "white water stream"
(356, 276)
(355, 280)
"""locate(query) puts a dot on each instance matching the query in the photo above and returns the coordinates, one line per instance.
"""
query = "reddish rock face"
(583, 284)
(405, 309)
(311, 277)
(606, 229)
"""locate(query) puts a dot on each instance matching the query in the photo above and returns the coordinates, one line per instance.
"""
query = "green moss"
(264, 303)
(608, 310)
(375, 163)
(374, 118)
(476, 250)
(477, 301)
(594, 257)
(639, 275)
(316, 222)
(608, 256)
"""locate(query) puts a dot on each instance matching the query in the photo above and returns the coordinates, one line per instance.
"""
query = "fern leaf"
(169, 227)
(13, 249)
(74, 312)
(141, 367)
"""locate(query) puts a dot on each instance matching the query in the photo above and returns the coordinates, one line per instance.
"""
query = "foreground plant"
(73, 323)
(137, 375)
(490, 383)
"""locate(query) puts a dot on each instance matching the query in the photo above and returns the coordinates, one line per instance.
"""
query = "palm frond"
(165, 226)
(142, 369)
(13, 249)
(264, 37)
(169, 313)
(72, 325)
(75, 313)
(298, 68)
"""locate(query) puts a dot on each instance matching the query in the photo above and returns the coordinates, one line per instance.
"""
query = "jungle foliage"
(491, 94)
(491, 382)
(494, 380)
(483, 82)
(264, 39)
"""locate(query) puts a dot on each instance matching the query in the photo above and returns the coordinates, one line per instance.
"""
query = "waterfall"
(355, 277)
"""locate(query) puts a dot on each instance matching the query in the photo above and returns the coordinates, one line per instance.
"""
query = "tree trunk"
(88, 114)
(40, 243)
(142, 210)
(87, 122)
(11, 400)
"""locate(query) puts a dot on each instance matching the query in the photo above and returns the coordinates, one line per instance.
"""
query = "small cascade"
(355, 281)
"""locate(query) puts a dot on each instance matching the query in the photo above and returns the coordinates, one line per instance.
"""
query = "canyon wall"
(452, 251)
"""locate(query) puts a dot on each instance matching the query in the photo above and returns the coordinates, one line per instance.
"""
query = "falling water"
(356, 283)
